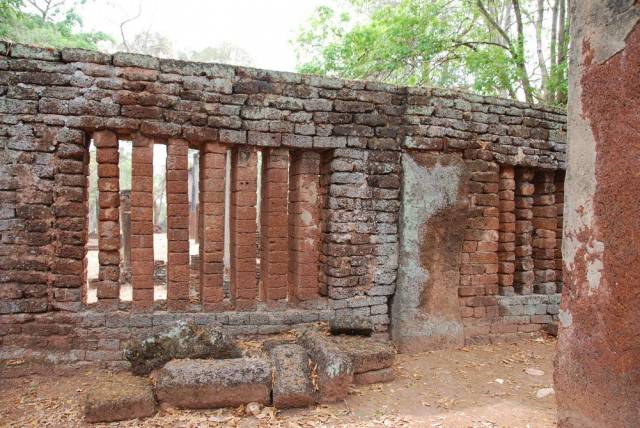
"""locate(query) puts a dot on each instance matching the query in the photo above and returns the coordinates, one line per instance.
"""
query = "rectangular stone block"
(210, 384)
(292, 385)
(332, 366)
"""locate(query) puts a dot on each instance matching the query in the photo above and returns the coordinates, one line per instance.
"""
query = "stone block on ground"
(269, 345)
(352, 325)
(375, 376)
(333, 368)
(119, 398)
(552, 329)
(366, 354)
(292, 386)
(205, 384)
(185, 340)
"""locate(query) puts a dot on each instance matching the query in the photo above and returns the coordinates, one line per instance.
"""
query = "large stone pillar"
(598, 364)
(425, 314)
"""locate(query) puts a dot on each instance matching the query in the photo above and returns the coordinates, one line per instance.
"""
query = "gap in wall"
(160, 243)
(259, 173)
(125, 151)
(91, 256)
(194, 232)
(226, 281)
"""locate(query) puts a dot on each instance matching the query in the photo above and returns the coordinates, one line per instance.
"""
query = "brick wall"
(331, 185)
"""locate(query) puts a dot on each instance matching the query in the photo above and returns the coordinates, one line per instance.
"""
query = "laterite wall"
(332, 188)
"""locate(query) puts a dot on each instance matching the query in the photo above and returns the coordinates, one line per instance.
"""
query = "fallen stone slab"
(351, 324)
(185, 340)
(332, 368)
(204, 384)
(366, 353)
(292, 386)
(120, 398)
(375, 376)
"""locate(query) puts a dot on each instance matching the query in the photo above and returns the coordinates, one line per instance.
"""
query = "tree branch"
(493, 22)
(126, 21)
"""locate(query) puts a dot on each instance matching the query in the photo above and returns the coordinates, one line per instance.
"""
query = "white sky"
(262, 28)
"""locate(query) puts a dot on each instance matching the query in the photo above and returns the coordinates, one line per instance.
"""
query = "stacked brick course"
(178, 273)
(341, 142)
(108, 217)
(142, 223)
(211, 226)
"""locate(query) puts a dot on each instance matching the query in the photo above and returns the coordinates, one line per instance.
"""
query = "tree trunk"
(518, 54)
(546, 93)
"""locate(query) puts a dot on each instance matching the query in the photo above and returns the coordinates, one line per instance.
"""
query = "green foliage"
(58, 28)
(445, 43)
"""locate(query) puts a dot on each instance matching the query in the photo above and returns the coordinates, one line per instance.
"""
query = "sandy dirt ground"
(479, 386)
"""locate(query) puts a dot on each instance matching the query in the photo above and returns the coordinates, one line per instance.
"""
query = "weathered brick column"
(524, 276)
(544, 233)
(479, 261)
(507, 238)
(106, 143)
(211, 224)
(70, 209)
(274, 262)
(304, 224)
(559, 198)
(177, 224)
(142, 222)
(597, 376)
(244, 283)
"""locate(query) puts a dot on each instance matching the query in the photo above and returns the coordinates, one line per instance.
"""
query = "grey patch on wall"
(425, 311)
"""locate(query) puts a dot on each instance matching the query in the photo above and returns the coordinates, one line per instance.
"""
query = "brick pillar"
(304, 224)
(479, 262)
(544, 233)
(274, 261)
(211, 225)
(70, 202)
(559, 194)
(106, 143)
(524, 277)
(244, 284)
(177, 224)
(142, 223)
(506, 244)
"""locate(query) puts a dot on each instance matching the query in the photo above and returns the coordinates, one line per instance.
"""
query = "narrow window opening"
(91, 258)
(226, 285)
(125, 150)
(194, 232)
(160, 243)
(259, 173)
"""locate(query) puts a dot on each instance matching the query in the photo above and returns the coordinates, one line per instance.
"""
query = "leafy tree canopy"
(47, 23)
(513, 48)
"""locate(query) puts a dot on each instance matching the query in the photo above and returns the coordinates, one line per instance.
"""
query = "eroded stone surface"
(292, 385)
(333, 367)
(426, 312)
(119, 398)
(597, 380)
(185, 340)
(366, 354)
(202, 384)
(351, 324)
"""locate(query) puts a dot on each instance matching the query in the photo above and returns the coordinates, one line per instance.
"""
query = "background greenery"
(510, 48)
